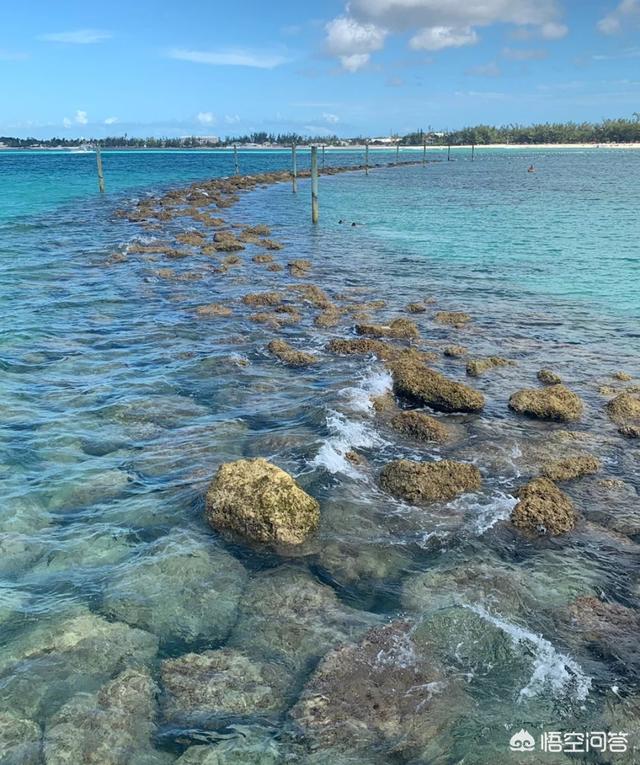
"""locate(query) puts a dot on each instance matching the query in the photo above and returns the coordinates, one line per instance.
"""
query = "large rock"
(310, 620)
(114, 726)
(398, 329)
(261, 502)
(186, 589)
(418, 383)
(41, 669)
(420, 426)
(543, 509)
(555, 402)
(624, 411)
(20, 741)
(571, 467)
(429, 481)
(384, 692)
(205, 689)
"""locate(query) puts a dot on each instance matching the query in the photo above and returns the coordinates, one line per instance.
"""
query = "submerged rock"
(420, 426)
(251, 746)
(35, 676)
(416, 308)
(262, 258)
(299, 268)
(20, 741)
(114, 726)
(313, 294)
(555, 402)
(454, 318)
(384, 692)
(214, 309)
(202, 689)
(289, 618)
(261, 502)
(549, 377)
(476, 367)
(623, 376)
(289, 355)
(624, 411)
(399, 329)
(263, 299)
(429, 388)
(186, 589)
(543, 509)
(454, 351)
(429, 481)
(571, 467)
(330, 317)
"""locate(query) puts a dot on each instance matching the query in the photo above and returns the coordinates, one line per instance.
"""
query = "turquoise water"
(119, 402)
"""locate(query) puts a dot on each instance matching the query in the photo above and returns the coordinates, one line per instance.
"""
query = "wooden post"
(366, 157)
(100, 173)
(449, 153)
(323, 156)
(397, 153)
(235, 159)
(424, 152)
(294, 170)
(314, 184)
(473, 151)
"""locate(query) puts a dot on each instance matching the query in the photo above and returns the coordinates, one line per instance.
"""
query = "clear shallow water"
(118, 404)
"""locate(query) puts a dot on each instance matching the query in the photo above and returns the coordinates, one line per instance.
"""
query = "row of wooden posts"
(315, 214)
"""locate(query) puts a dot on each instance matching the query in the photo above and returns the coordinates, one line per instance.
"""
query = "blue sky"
(365, 67)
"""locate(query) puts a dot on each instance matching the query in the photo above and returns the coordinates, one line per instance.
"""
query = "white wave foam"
(488, 514)
(346, 435)
(375, 382)
(552, 670)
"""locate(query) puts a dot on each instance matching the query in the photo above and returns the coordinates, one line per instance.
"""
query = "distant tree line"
(608, 131)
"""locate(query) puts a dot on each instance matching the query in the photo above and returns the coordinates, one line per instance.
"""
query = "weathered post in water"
(235, 159)
(294, 170)
(314, 184)
(473, 151)
(449, 153)
(397, 152)
(366, 157)
(424, 152)
(100, 172)
(323, 156)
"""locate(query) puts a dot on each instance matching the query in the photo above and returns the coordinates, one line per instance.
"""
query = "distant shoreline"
(328, 147)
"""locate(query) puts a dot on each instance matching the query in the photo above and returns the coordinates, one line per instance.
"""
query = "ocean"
(120, 400)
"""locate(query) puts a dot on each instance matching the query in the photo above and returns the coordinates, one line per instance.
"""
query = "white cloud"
(231, 119)
(433, 24)
(332, 119)
(77, 37)
(81, 117)
(236, 57)
(66, 122)
(352, 42)
(111, 121)
(206, 118)
(626, 12)
(438, 38)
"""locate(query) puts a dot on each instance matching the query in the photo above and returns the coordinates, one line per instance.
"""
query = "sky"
(366, 67)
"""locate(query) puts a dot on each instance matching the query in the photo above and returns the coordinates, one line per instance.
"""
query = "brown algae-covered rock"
(454, 351)
(289, 355)
(429, 481)
(20, 741)
(399, 328)
(571, 467)
(261, 502)
(365, 695)
(263, 298)
(262, 258)
(328, 318)
(624, 411)
(313, 294)
(419, 383)
(454, 318)
(549, 377)
(205, 687)
(623, 376)
(214, 309)
(299, 268)
(420, 426)
(416, 308)
(543, 509)
(476, 367)
(555, 402)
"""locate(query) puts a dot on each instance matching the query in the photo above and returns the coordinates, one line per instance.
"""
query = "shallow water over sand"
(119, 402)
